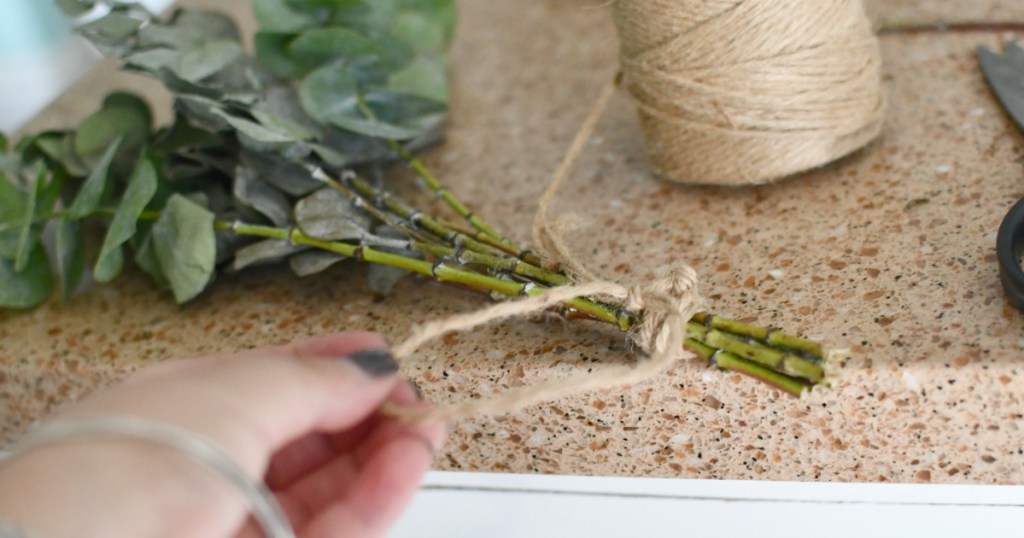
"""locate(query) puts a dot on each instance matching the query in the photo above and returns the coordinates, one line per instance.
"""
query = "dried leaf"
(69, 259)
(426, 77)
(312, 262)
(253, 192)
(146, 259)
(12, 212)
(60, 147)
(264, 252)
(28, 212)
(426, 25)
(284, 125)
(369, 54)
(288, 177)
(90, 195)
(189, 28)
(153, 60)
(76, 8)
(141, 189)
(280, 16)
(123, 116)
(111, 33)
(202, 111)
(29, 287)
(331, 95)
(328, 215)
(255, 131)
(383, 278)
(272, 53)
(207, 59)
(185, 246)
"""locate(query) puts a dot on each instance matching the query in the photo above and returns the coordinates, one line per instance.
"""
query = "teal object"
(30, 26)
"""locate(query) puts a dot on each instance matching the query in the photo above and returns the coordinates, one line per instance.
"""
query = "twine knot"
(671, 300)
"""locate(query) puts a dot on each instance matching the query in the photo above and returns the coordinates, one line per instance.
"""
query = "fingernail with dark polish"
(375, 362)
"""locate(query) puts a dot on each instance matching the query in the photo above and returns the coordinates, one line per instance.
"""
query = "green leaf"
(109, 266)
(146, 259)
(288, 177)
(189, 28)
(112, 32)
(309, 263)
(272, 54)
(12, 212)
(202, 111)
(58, 147)
(29, 287)
(183, 134)
(350, 47)
(5, 145)
(27, 227)
(90, 195)
(70, 258)
(429, 27)
(331, 95)
(25, 243)
(153, 60)
(281, 124)
(123, 116)
(328, 215)
(264, 252)
(253, 192)
(185, 246)
(279, 16)
(383, 278)
(425, 77)
(137, 195)
(207, 60)
(76, 8)
(254, 130)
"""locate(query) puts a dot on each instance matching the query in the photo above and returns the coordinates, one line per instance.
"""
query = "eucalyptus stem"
(756, 344)
(447, 196)
(419, 219)
(437, 271)
(723, 354)
(772, 337)
(443, 273)
(811, 351)
(440, 272)
(732, 362)
(780, 361)
(374, 212)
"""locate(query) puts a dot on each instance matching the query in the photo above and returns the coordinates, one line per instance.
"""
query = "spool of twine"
(735, 92)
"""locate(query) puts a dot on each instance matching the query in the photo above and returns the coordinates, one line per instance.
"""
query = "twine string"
(666, 305)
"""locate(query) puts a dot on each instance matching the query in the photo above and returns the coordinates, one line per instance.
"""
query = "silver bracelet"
(265, 509)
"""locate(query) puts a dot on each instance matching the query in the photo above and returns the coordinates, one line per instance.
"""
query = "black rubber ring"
(1009, 247)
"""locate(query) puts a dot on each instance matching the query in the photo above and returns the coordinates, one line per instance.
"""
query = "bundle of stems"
(469, 253)
(476, 256)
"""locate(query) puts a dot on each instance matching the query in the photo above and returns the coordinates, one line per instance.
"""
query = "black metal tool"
(1005, 74)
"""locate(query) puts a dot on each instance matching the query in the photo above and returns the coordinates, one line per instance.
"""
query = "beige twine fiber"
(666, 305)
(735, 92)
(729, 92)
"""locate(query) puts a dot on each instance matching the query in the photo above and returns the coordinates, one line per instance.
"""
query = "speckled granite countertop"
(889, 252)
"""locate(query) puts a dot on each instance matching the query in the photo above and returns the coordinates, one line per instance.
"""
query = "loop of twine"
(747, 91)
(667, 304)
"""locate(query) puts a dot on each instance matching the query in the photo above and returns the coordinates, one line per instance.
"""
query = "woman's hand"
(302, 417)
